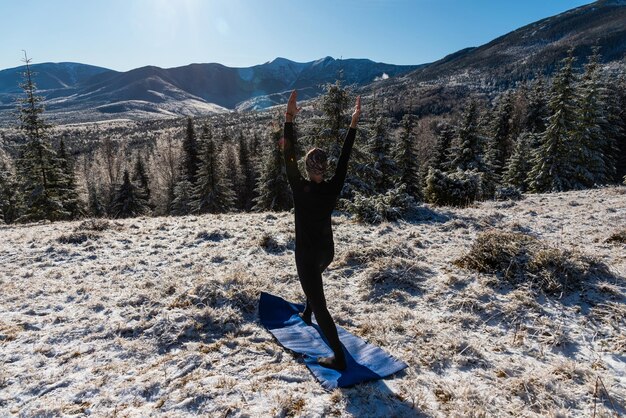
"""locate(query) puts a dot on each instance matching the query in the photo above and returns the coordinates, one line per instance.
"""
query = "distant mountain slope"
(50, 76)
(192, 89)
(539, 47)
(535, 49)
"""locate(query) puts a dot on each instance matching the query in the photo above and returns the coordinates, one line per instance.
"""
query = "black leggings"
(310, 265)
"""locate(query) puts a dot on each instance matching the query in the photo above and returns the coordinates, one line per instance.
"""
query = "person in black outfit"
(314, 201)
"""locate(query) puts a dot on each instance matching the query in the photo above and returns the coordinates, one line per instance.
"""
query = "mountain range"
(90, 92)
(76, 92)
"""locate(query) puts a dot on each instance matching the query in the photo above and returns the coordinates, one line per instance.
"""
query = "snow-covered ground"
(157, 316)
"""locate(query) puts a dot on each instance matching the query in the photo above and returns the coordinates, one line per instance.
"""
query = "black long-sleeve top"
(314, 202)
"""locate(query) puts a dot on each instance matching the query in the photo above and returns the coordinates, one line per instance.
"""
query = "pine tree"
(213, 191)
(500, 132)
(38, 166)
(490, 169)
(95, 207)
(591, 164)
(183, 198)
(380, 152)
(128, 201)
(9, 195)
(537, 110)
(408, 163)
(273, 191)
(69, 195)
(620, 117)
(247, 175)
(614, 130)
(468, 155)
(334, 106)
(441, 157)
(232, 172)
(190, 161)
(519, 164)
(553, 162)
(140, 177)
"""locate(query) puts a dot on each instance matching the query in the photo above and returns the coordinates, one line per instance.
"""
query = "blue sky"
(126, 34)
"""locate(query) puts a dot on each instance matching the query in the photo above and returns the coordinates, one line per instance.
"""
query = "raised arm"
(291, 163)
(342, 165)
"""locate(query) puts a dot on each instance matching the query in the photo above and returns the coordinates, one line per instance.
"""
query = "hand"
(357, 112)
(292, 107)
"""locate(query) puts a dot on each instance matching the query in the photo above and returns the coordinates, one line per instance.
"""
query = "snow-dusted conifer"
(38, 165)
(468, 155)
(247, 180)
(141, 178)
(519, 164)
(272, 190)
(457, 188)
(190, 160)
(213, 191)
(334, 106)
(68, 189)
(614, 129)
(441, 154)
(9, 194)
(490, 168)
(95, 207)
(128, 200)
(386, 170)
(620, 117)
(500, 132)
(553, 161)
(407, 160)
(537, 111)
(183, 198)
(591, 163)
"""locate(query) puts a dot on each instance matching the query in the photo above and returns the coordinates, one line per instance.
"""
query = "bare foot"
(332, 362)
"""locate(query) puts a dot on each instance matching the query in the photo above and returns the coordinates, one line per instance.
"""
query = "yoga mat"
(364, 361)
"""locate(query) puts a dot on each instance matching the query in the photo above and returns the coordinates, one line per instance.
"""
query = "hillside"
(158, 315)
(530, 51)
(538, 48)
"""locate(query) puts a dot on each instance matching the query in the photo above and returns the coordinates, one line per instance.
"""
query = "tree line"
(571, 136)
(547, 136)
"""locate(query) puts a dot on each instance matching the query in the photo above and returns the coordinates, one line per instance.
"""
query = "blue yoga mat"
(364, 361)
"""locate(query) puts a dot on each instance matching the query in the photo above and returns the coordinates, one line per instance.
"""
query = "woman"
(314, 201)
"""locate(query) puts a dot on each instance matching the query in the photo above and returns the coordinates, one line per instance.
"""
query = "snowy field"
(158, 316)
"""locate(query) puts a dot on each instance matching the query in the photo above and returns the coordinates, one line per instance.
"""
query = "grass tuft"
(618, 237)
(98, 225)
(520, 258)
(77, 237)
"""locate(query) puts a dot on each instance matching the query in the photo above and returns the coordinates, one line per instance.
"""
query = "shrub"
(508, 193)
(375, 209)
(459, 188)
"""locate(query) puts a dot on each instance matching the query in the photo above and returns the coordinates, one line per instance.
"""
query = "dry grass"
(94, 224)
(618, 237)
(520, 258)
(77, 237)
(158, 317)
